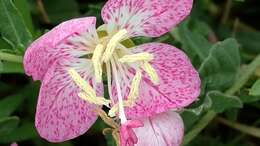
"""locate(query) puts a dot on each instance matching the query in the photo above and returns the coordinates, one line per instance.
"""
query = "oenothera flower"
(144, 81)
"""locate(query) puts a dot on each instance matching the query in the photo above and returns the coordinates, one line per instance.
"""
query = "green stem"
(237, 139)
(227, 11)
(209, 116)
(253, 131)
(199, 126)
(11, 57)
(245, 76)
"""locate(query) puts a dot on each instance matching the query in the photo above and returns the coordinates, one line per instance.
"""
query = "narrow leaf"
(8, 124)
(24, 132)
(255, 90)
(193, 42)
(12, 26)
(23, 7)
(9, 104)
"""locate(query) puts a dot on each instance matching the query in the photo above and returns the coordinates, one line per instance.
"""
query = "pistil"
(119, 94)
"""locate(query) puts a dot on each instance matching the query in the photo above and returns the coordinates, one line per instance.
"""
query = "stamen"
(116, 136)
(112, 112)
(113, 43)
(110, 122)
(95, 100)
(107, 131)
(136, 57)
(97, 62)
(81, 83)
(89, 93)
(134, 90)
(151, 72)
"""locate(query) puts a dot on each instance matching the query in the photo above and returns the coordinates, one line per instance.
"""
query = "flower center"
(102, 54)
(109, 50)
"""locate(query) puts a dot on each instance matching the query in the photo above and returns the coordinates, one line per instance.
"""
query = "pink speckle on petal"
(150, 18)
(43, 52)
(61, 115)
(179, 82)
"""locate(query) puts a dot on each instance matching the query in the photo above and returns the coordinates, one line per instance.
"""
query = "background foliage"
(222, 39)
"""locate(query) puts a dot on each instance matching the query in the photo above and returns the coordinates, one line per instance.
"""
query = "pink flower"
(144, 81)
(165, 129)
(14, 144)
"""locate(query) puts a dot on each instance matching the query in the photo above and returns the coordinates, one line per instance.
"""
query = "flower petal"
(41, 54)
(179, 82)
(164, 129)
(150, 18)
(62, 115)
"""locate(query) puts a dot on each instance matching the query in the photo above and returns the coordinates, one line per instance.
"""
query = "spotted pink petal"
(150, 18)
(164, 129)
(43, 52)
(62, 115)
(179, 82)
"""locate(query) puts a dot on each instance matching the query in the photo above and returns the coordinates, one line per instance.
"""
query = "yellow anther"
(103, 115)
(97, 62)
(151, 72)
(89, 93)
(134, 90)
(83, 85)
(94, 100)
(119, 36)
(112, 112)
(136, 57)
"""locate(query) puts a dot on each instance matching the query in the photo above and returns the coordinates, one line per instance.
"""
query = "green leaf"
(12, 26)
(1, 66)
(246, 98)
(220, 68)
(194, 44)
(222, 102)
(9, 104)
(4, 45)
(250, 40)
(24, 132)
(191, 116)
(64, 11)
(255, 90)
(189, 119)
(23, 7)
(203, 140)
(8, 124)
(12, 67)
(4, 86)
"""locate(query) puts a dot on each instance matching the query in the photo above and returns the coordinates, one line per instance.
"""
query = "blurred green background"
(221, 37)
